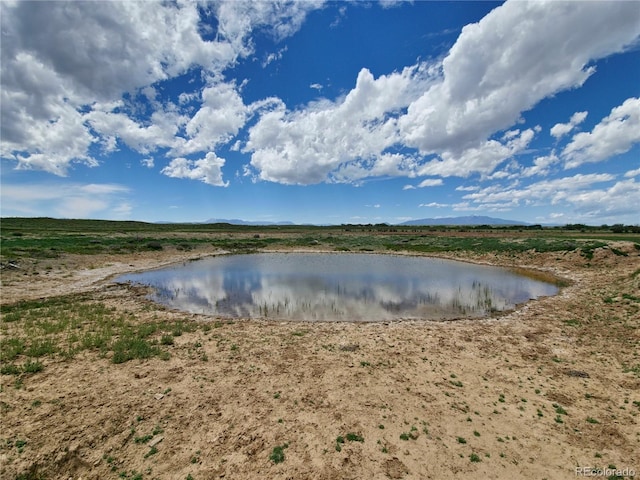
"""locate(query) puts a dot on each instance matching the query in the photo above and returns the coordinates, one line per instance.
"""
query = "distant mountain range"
(469, 220)
(236, 221)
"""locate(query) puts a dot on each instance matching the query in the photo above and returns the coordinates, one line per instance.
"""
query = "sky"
(321, 112)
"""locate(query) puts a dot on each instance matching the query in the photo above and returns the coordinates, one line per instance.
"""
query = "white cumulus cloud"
(449, 117)
(589, 196)
(541, 165)
(503, 66)
(632, 173)
(482, 158)
(221, 114)
(561, 129)
(66, 66)
(342, 140)
(615, 134)
(207, 169)
(498, 68)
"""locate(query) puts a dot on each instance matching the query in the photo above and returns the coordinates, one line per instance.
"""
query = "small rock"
(158, 396)
(155, 440)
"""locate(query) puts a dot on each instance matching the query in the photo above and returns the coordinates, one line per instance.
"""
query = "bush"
(277, 455)
(154, 246)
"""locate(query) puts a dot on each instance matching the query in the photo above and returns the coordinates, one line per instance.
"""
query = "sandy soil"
(423, 396)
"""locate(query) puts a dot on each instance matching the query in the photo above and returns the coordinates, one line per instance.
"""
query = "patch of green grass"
(130, 348)
(635, 369)
(413, 434)
(69, 324)
(277, 454)
(441, 243)
(474, 458)
(10, 369)
(11, 348)
(351, 437)
(18, 444)
(559, 409)
(27, 367)
(32, 367)
(572, 323)
(592, 420)
(152, 451)
(620, 253)
(143, 439)
(41, 347)
(462, 440)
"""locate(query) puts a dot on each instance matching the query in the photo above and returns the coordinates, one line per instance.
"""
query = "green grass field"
(48, 238)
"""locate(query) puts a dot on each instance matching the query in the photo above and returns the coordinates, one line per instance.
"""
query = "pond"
(338, 286)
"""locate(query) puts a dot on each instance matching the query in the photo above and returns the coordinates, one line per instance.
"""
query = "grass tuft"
(277, 454)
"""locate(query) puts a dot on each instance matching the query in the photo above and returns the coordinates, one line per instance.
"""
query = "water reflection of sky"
(354, 287)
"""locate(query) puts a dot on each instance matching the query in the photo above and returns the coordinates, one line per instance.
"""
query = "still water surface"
(344, 287)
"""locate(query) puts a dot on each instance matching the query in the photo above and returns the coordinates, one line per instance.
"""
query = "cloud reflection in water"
(346, 287)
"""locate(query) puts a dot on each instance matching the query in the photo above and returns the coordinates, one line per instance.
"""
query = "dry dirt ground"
(533, 394)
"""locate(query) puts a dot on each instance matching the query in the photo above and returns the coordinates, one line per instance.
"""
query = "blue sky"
(321, 112)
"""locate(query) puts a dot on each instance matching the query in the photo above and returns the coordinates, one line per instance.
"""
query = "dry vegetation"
(99, 383)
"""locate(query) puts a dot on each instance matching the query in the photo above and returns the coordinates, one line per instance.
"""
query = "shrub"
(352, 437)
(154, 245)
(277, 455)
